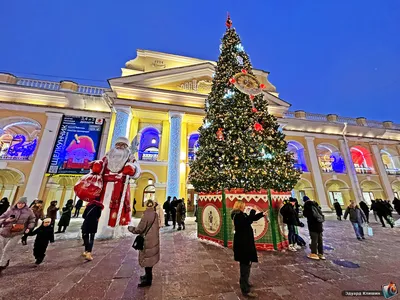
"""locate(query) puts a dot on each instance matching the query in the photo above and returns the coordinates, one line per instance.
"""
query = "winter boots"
(146, 280)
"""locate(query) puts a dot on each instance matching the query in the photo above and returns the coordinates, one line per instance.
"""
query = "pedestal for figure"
(269, 232)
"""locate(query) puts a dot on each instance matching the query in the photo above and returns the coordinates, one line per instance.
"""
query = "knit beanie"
(23, 200)
(305, 198)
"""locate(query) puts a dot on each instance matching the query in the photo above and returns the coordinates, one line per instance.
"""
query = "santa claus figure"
(116, 168)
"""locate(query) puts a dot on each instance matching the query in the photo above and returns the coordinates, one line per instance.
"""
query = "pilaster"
(183, 161)
(122, 123)
(351, 170)
(42, 156)
(382, 171)
(173, 177)
(316, 172)
(104, 138)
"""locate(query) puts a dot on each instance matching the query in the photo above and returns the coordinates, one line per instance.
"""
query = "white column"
(316, 172)
(382, 172)
(104, 136)
(174, 153)
(351, 170)
(42, 156)
(122, 123)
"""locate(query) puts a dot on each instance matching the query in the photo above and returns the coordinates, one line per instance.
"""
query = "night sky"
(328, 56)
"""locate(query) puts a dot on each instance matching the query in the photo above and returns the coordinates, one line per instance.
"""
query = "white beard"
(117, 158)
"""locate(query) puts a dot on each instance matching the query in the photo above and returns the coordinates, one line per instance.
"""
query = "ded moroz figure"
(111, 175)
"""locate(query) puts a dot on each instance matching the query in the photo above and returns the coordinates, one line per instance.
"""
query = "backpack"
(317, 214)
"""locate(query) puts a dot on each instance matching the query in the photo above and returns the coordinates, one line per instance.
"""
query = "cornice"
(167, 56)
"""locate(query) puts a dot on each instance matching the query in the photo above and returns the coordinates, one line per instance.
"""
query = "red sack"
(89, 187)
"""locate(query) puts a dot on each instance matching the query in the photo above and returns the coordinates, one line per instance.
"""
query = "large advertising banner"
(76, 146)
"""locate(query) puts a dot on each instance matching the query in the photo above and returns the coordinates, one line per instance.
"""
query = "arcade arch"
(330, 159)
(391, 161)
(371, 190)
(362, 160)
(303, 188)
(10, 181)
(339, 190)
(298, 154)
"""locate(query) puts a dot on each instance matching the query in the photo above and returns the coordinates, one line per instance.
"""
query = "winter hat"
(47, 220)
(122, 140)
(292, 200)
(305, 198)
(23, 200)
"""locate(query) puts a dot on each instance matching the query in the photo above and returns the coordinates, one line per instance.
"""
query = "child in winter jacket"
(44, 234)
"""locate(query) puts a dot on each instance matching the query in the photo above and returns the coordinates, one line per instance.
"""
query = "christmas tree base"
(269, 232)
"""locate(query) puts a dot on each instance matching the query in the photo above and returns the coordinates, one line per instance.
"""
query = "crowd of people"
(175, 211)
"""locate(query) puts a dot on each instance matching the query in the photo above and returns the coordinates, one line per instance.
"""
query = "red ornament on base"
(244, 71)
(232, 80)
(251, 97)
(262, 86)
(258, 127)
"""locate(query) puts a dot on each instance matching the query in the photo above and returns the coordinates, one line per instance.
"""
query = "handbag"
(138, 244)
(370, 231)
(17, 227)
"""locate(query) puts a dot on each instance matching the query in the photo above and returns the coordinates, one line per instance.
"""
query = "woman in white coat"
(160, 212)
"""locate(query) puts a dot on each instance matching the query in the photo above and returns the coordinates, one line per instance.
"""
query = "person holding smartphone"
(13, 224)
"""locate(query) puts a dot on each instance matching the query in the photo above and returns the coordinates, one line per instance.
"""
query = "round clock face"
(247, 84)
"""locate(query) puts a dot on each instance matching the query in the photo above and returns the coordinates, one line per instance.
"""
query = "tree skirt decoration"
(269, 232)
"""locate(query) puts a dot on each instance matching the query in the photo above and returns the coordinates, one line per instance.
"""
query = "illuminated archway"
(303, 188)
(371, 190)
(362, 160)
(330, 159)
(10, 180)
(339, 190)
(396, 188)
(297, 150)
(193, 145)
(391, 161)
(149, 144)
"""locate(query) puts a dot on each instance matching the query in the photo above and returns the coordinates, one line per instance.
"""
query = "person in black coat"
(78, 207)
(91, 217)
(338, 209)
(364, 207)
(315, 219)
(244, 247)
(174, 204)
(383, 212)
(44, 234)
(66, 216)
(291, 219)
(4, 205)
(396, 204)
(167, 209)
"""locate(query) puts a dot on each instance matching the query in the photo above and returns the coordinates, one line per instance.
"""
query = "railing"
(390, 171)
(349, 121)
(363, 170)
(56, 86)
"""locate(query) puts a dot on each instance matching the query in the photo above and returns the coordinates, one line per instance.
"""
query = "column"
(174, 152)
(104, 136)
(163, 154)
(122, 123)
(42, 156)
(351, 170)
(382, 172)
(316, 172)
(183, 161)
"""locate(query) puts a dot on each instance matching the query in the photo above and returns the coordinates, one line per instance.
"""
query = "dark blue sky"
(328, 56)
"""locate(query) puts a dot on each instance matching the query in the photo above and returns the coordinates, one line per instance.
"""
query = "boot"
(38, 261)
(84, 254)
(143, 277)
(89, 256)
(183, 226)
(179, 228)
(148, 278)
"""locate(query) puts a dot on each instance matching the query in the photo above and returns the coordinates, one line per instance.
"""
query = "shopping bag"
(370, 231)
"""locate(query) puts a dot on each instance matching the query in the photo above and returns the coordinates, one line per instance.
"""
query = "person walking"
(4, 205)
(389, 208)
(52, 212)
(338, 209)
(44, 235)
(364, 207)
(167, 209)
(160, 214)
(244, 247)
(134, 206)
(78, 207)
(150, 255)
(315, 219)
(181, 214)
(357, 218)
(91, 217)
(173, 205)
(38, 211)
(396, 204)
(374, 209)
(13, 224)
(66, 216)
(291, 219)
(383, 212)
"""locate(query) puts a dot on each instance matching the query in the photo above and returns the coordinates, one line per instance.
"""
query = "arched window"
(391, 162)
(193, 146)
(298, 154)
(362, 160)
(330, 159)
(18, 138)
(149, 143)
(149, 193)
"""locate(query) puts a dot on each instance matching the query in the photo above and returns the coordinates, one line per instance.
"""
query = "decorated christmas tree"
(240, 144)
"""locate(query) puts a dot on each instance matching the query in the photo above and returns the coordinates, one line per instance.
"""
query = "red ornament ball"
(244, 71)
(251, 97)
(254, 110)
(232, 80)
(258, 127)
(262, 86)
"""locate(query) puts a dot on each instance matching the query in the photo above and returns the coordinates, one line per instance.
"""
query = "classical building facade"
(159, 99)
